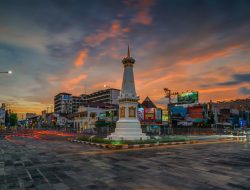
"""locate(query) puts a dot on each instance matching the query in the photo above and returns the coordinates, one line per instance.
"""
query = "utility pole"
(168, 95)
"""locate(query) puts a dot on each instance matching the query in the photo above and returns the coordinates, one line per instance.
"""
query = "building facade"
(86, 118)
(109, 96)
(234, 112)
(77, 101)
(65, 103)
(240, 104)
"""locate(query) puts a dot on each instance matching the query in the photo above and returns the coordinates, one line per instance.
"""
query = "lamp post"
(6, 72)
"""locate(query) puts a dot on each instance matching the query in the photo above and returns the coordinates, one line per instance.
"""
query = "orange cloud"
(126, 30)
(100, 85)
(114, 31)
(217, 89)
(143, 16)
(72, 83)
(211, 56)
(81, 58)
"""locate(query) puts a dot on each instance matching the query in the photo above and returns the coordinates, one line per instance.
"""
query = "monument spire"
(128, 51)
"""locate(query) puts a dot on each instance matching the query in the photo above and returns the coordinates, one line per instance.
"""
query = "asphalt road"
(27, 163)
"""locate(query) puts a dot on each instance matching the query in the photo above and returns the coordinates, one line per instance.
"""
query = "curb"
(126, 146)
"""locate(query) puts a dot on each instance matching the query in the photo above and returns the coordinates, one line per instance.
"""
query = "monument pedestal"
(128, 130)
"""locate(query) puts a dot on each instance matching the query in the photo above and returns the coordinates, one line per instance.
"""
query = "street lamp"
(106, 86)
(6, 72)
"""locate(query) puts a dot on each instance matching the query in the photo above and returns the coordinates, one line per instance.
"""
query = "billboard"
(158, 114)
(178, 111)
(164, 115)
(195, 114)
(149, 114)
(187, 97)
(140, 114)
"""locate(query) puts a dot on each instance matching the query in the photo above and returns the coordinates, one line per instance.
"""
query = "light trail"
(38, 135)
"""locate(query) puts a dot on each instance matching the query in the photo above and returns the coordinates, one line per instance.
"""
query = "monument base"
(128, 130)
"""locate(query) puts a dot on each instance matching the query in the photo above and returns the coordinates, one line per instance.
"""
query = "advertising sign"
(158, 114)
(149, 114)
(178, 111)
(187, 97)
(195, 112)
(140, 114)
(102, 116)
(66, 97)
(164, 115)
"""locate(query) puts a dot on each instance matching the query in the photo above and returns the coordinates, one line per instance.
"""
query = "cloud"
(242, 77)
(70, 84)
(206, 57)
(23, 38)
(175, 46)
(244, 91)
(113, 31)
(81, 58)
(237, 79)
(143, 11)
(213, 90)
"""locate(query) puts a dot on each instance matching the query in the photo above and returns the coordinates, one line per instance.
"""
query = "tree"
(210, 119)
(12, 118)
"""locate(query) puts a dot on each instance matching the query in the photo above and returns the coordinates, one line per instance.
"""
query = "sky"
(77, 46)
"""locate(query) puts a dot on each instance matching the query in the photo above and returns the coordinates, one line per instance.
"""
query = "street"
(28, 163)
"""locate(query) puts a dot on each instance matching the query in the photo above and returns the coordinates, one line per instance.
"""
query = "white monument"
(128, 126)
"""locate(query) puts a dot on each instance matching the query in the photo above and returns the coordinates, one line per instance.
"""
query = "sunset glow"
(77, 47)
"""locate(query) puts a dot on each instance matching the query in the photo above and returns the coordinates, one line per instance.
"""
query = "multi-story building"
(63, 103)
(77, 101)
(240, 104)
(84, 97)
(236, 112)
(104, 96)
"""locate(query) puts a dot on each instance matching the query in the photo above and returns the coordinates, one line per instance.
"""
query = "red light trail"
(38, 135)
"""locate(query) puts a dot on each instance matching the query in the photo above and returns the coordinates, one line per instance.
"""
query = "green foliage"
(101, 140)
(102, 123)
(150, 141)
(12, 118)
(210, 119)
(94, 139)
(82, 138)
